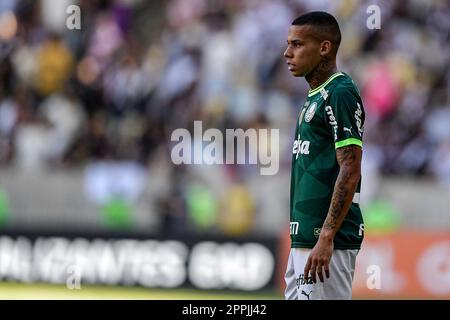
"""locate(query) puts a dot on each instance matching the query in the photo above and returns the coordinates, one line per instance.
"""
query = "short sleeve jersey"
(332, 117)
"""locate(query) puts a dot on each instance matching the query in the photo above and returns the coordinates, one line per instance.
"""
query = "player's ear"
(325, 47)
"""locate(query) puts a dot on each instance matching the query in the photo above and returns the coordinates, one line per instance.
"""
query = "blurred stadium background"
(87, 186)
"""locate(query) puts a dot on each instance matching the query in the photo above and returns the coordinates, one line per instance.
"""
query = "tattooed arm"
(349, 160)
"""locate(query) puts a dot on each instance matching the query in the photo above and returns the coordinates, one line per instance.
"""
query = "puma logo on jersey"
(347, 129)
(300, 147)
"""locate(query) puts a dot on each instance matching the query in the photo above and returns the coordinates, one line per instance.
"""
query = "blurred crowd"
(114, 90)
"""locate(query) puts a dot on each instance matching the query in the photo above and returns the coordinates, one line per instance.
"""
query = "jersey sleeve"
(344, 114)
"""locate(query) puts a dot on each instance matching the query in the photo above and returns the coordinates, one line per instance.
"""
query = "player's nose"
(287, 53)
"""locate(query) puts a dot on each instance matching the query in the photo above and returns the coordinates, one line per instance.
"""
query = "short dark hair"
(326, 25)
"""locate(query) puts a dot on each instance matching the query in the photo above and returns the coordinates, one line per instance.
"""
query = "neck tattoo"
(319, 75)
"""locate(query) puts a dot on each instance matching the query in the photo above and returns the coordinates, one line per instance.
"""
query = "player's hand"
(319, 260)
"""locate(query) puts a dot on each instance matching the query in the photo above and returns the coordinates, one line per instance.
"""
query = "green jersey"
(331, 118)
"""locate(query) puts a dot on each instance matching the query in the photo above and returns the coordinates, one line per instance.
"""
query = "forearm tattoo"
(349, 159)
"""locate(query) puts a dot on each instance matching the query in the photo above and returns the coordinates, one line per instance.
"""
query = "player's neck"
(321, 74)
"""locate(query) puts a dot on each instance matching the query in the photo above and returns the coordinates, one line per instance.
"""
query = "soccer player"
(326, 224)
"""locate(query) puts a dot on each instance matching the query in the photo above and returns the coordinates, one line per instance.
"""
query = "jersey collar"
(331, 78)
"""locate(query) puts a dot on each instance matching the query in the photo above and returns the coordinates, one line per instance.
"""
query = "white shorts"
(337, 287)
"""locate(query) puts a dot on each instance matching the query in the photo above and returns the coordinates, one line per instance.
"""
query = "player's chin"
(297, 73)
